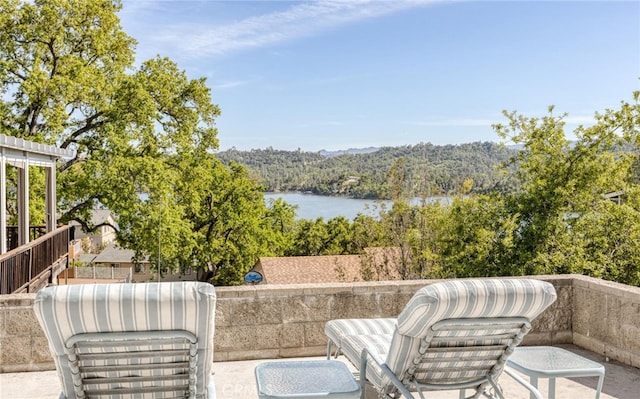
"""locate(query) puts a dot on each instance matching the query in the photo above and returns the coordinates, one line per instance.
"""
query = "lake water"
(314, 206)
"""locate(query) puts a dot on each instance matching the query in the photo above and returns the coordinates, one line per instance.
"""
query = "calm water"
(314, 206)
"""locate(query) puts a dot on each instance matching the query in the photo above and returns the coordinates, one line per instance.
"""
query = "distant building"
(115, 256)
(114, 262)
(103, 235)
(106, 254)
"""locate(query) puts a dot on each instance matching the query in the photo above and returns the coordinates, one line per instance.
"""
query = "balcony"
(31, 266)
(594, 318)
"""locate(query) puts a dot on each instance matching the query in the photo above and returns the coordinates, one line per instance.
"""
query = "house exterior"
(104, 235)
(115, 257)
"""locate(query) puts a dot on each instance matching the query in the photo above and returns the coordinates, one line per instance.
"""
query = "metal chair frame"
(483, 346)
(132, 363)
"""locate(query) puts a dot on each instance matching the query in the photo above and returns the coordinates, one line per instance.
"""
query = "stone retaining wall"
(272, 321)
(606, 319)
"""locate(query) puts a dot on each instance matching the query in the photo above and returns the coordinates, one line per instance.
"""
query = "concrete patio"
(235, 380)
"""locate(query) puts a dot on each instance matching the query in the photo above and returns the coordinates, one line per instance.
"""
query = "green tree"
(367, 232)
(423, 239)
(398, 225)
(398, 221)
(562, 182)
(230, 222)
(281, 218)
(311, 238)
(340, 240)
(606, 242)
(476, 238)
(142, 135)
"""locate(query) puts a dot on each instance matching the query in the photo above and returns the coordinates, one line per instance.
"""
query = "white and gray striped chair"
(453, 335)
(145, 340)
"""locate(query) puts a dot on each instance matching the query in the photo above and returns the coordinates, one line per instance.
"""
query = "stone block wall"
(272, 321)
(23, 346)
(606, 319)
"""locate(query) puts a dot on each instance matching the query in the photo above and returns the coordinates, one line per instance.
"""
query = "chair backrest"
(143, 340)
(460, 332)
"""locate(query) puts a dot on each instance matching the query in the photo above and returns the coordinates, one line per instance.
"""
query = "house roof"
(115, 254)
(310, 269)
(21, 145)
(86, 258)
(99, 216)
(327, 269)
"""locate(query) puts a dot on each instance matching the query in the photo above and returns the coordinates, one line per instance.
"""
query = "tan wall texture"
(271, 321)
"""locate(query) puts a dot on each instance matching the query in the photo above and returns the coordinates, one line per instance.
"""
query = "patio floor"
(235, 380)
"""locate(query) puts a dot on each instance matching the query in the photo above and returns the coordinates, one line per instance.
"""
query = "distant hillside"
(352, 151)
(429, 169)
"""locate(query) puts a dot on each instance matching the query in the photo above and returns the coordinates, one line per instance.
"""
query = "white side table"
(314, 379)
(551, 362)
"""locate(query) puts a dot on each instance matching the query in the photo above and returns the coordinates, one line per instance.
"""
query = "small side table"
(314, 379)
(551, 362)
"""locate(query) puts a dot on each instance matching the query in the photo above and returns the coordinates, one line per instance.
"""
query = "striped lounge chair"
(453, 335)
(151, 340)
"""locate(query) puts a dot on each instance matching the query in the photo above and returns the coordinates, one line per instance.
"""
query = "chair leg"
(363, 378)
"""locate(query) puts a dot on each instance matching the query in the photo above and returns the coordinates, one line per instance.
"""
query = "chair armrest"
(385, 370)
(211, 389)
(524, 383)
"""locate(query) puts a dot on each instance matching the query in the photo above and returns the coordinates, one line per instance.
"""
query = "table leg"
(552, 388)
(599, 387)
(534, 382)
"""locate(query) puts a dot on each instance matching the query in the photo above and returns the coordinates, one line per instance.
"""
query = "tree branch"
(70, 163)
(54, 58)
(89, 125)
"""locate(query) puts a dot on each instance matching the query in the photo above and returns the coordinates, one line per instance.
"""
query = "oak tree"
(143, 135)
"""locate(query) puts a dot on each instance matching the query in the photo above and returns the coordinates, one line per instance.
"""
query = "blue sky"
(351, 74)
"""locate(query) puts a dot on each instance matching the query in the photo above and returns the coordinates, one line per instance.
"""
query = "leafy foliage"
(430, 169)
(558, 221)
(143, 138)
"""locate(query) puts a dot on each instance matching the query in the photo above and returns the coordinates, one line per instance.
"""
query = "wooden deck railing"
(12, 235)
(31, 266)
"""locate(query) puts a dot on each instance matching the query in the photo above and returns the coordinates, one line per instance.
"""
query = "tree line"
(145, 141)
(430, 169)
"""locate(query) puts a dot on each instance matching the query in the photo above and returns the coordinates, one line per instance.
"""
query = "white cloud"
(302, 19)
(230, 84)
